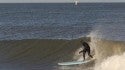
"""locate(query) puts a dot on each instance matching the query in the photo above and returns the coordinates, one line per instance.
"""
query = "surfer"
(85, 49)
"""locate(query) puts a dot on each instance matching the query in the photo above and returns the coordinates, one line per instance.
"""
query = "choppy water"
(67, 21)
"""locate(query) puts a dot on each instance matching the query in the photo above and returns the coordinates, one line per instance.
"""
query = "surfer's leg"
(84, 52)
(89, 54)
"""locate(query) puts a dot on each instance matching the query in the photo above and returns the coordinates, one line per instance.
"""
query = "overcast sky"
(43, 1)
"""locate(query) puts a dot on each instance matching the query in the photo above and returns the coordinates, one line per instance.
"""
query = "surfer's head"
(87, 40)
(82, 41)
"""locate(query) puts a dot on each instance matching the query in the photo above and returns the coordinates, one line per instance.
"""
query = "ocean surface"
(36, 36)
(61, 21)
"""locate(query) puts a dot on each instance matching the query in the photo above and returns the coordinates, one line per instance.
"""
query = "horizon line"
(61, 2)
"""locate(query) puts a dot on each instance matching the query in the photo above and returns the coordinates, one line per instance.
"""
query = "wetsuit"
(86, 49)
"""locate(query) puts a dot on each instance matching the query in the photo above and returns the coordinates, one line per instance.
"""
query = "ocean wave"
(43, 53)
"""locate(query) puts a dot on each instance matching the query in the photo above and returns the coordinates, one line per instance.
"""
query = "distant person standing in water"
(85, 49)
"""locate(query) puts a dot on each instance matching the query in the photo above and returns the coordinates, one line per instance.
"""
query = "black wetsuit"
(86, 49)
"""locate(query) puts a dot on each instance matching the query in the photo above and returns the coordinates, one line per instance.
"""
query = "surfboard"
(74, 62)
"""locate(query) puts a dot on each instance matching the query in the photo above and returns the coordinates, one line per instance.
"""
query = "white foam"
(77, 56)
(116, 62)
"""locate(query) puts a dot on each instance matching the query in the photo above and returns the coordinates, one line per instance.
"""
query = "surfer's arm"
(80, 51)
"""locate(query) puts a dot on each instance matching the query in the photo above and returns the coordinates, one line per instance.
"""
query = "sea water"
(37, 36)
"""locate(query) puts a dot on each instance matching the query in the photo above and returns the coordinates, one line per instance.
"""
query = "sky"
(46, 1)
